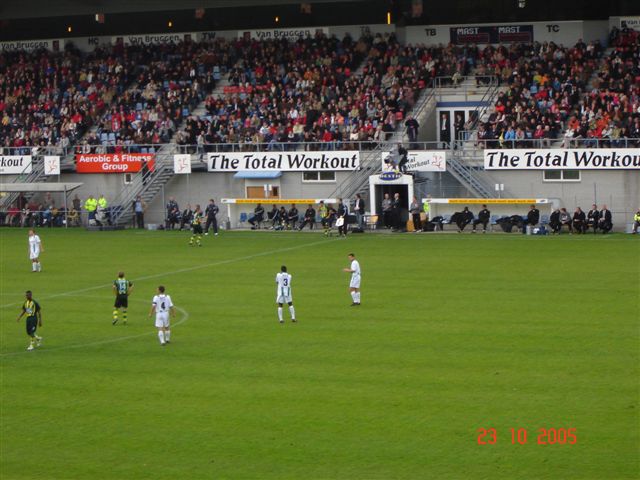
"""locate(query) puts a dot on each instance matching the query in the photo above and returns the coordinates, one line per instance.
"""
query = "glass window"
(318, 176)
(328, 176)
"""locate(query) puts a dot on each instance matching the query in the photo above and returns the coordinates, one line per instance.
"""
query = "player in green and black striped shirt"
(121, 288)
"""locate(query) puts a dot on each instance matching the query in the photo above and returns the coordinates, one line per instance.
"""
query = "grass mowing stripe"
(185, 317)
(175, 272)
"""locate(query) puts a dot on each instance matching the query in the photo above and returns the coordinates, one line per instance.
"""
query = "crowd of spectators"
(52, 98)
(306, 91)
(545, 88)
(171, 80)
(611, 109)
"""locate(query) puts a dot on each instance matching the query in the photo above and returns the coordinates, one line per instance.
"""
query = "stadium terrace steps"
(145, 184)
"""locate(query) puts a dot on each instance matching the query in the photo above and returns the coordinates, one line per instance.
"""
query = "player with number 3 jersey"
(283, 293)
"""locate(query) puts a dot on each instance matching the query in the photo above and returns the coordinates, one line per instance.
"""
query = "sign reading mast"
(559, 159)
(287, 162)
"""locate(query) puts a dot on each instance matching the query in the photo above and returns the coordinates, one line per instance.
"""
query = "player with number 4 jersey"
(162, 306)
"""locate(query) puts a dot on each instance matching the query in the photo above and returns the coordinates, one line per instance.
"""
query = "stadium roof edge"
(17, 9)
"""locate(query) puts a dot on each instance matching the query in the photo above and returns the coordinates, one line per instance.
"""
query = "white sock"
(39, 267)
(292, 311)
(33, 267)
(161, 336)
(357, 297)
(280, 314)
(353, 295)
(167, 335)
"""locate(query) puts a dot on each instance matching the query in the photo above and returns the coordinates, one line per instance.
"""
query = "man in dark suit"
(343, 211)
(579, 221)
(593, 217)
(358, 209)
(605, 223)
(484, 216)
(309, 217)
(533, 217)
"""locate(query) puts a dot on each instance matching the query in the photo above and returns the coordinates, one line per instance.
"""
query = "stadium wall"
(199, 188)
(565, 33)
(620, 190)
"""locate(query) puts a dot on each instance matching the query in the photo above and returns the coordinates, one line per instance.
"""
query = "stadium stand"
(51, 99)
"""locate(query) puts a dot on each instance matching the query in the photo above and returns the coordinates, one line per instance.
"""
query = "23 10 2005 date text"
(520, 436)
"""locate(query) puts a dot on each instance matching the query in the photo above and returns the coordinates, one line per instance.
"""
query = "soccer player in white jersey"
(163, 307)
(354, 285)
(283, 293)
(35, 248)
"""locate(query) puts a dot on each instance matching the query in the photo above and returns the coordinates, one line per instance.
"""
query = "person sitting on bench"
(554, 221)
(258, 216)
(484, 216)
(592, 218)
(462, 219)
(579, 221)
(565, 220)
(292, 217)
(309, 218)
(533, 217)
(273, 216)
(605, 223)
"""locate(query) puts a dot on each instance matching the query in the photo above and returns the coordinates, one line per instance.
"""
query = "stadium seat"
(371, 221)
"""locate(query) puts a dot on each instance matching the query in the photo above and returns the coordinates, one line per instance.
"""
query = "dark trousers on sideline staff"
(477, 222)
(211, 221)
(415, 217)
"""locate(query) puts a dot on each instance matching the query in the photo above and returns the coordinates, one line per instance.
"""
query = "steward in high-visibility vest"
(102, 202)
(91, 204)
(636, 221)
(425, 209)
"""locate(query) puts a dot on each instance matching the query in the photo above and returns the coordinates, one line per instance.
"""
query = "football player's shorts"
(355, 281)
(162, 319)
(284, 299)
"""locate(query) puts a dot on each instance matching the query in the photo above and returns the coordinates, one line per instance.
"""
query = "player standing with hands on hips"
(354, 285)
(31, 309)
(283, 294)
(162, 306)
(35, 247)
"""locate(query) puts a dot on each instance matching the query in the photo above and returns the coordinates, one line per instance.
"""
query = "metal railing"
(470, 85)
(33, 151)
(372, 162)
(540, 143)
(143, 183)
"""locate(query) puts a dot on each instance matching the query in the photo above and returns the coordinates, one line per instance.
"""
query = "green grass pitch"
(455, 333)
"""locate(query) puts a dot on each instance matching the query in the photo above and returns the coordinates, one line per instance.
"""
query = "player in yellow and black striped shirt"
(196, 225)
(31, 309)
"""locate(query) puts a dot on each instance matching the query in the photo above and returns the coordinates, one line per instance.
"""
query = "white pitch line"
(174, 272)
(185, 317)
